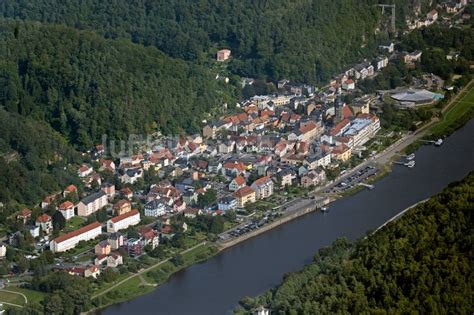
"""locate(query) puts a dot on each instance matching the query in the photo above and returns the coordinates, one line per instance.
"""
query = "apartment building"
(70, 240)
(123, 221)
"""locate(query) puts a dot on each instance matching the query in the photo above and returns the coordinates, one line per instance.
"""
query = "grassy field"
(34, 297)
(13, 298)
(456, 115)
(74, 223)
(146, 281)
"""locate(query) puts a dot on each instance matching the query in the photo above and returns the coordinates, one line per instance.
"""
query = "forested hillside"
(34, 160)
(303, 40)
(85, 86)
(420, 264)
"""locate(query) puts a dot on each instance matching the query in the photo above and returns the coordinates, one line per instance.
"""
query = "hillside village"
(174, 189)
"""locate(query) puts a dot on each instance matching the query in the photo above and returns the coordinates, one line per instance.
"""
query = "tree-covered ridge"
(421, 263)
(85, 86)
(34, 160)
(303, 40)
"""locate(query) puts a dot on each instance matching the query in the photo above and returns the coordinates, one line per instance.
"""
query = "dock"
(409, 164)
(369, 186)
(437, 143)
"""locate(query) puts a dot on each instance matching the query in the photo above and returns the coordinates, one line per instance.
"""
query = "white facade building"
(70, 240)
(123, 221)
(154, 208)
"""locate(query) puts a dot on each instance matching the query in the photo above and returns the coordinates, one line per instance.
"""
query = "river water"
(251, 267)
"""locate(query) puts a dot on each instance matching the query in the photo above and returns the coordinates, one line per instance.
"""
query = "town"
(269, 156)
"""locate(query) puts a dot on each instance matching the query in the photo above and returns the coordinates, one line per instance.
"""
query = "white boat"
(324, 209)
(438, 142)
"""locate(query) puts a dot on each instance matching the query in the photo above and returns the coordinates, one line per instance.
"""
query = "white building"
(123, 221)
(70, 240)
(3, 250)
(131, 175)
(67, 209)
(263, 187)
(362, 129)
(154, 208)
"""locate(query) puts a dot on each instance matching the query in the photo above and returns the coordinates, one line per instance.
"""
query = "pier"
(366, 185)
(437, 143)
(408, 164)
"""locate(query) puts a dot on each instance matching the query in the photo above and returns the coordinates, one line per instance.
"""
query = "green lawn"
(34, 297)
(74, 223)
(11, 298)
(135, 287)
(455, 114)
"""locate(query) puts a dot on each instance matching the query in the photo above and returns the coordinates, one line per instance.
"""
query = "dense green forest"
(419, 264)
(86, 86)
(304, 40)
(32, 160)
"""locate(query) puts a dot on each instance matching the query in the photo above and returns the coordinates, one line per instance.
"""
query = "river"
(251, 267)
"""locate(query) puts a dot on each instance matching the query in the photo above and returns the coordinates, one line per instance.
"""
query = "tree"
(208, 198)
(54, 304)
(217, 225)
(177, 260)
(59, 222)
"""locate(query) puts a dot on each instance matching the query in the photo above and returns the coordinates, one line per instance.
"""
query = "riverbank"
(410, 255)
(279, 221)
(134, 286)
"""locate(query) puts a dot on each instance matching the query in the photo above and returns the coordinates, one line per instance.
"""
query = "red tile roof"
(25, 212)
(346, 111)
(43, 218)
(77, 232)
(339, 126)
(124, 216)
(70, 188)
(239, 180)
(262, 181)
(66, 205)
(308, 127)
(244, 191)
(121, 203)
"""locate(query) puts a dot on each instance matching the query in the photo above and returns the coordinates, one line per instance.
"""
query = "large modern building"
(70, 240)
(362, 129)
(413, 97)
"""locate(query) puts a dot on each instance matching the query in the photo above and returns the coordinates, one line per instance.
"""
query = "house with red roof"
(237, 183)
(69, 190)
(114, 260)
(84, 170)
(263, 187)
(122, 206)
(107, 165)
(234, 168)
(66, 209)
(45, 222)
(92, 271)
(24, 215)
(149, 236)
(341, 152)
(245, 195)
(48, 200)
(102, 248)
